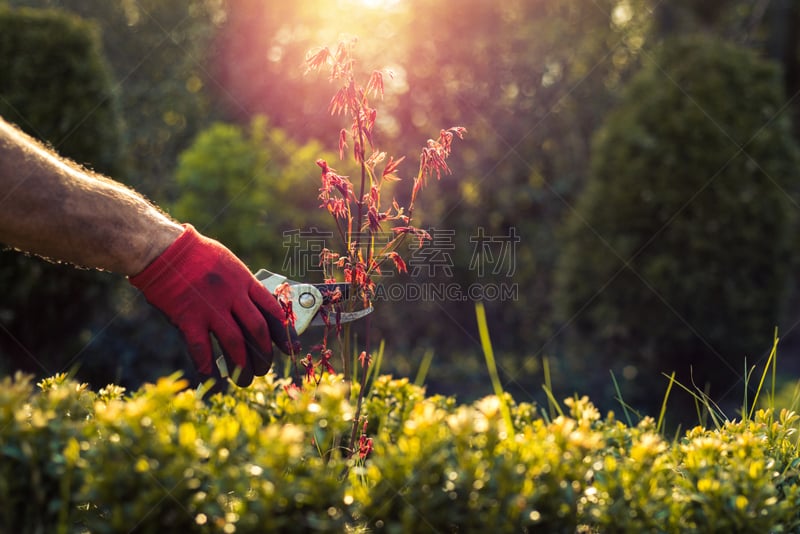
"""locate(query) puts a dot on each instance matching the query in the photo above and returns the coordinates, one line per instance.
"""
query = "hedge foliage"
(269, 459)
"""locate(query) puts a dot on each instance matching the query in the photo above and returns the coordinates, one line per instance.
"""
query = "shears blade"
(310, 302)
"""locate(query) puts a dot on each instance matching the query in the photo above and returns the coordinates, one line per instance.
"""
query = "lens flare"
(378, 4)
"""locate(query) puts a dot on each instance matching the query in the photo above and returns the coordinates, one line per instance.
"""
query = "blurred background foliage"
(217, 123)
(672, 223)
(56, 85)
(266, 184)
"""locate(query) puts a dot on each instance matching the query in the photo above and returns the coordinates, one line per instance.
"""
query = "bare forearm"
(52, 208)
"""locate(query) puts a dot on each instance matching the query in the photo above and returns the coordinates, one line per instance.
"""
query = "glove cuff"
(172, 258)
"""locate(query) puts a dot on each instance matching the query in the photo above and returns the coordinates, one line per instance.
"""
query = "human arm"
(53, 208)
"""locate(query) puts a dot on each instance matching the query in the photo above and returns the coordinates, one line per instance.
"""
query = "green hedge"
(268, 459)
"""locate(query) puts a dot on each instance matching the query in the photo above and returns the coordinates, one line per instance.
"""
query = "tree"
(247, 186)
(156, 53)
(677, 255)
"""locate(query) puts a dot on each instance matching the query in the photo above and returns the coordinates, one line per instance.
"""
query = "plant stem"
(346, 368)
(360, 199)
(361, 392)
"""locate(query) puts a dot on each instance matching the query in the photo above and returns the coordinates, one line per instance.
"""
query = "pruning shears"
(312, 304)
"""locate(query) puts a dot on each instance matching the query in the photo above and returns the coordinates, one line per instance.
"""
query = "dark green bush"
(54, 84)
(57, 86)
(678, 251)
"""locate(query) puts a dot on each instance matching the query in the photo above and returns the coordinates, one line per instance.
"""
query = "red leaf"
(391, 168)
(398, 262)
(342, 142)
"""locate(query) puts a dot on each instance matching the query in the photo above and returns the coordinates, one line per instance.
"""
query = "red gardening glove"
(204, 289)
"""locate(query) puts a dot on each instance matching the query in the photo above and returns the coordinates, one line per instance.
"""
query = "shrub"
(162, 459)
(209, 470)
(37, 480)
(57, 85)
(269, 459)
(678, 251)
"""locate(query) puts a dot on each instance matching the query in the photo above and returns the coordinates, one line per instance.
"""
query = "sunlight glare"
(377, 4)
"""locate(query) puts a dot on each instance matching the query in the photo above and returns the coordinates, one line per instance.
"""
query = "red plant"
(283, 293)
(359, 213)
(364, 443)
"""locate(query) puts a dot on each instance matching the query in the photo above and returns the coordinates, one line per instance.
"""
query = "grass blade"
(424, 366)
(663, 411)
(553, 406)
(488, 353)
(619, 398)
(770, 362)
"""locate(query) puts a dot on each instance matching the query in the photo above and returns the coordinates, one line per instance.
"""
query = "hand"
(204, 289)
